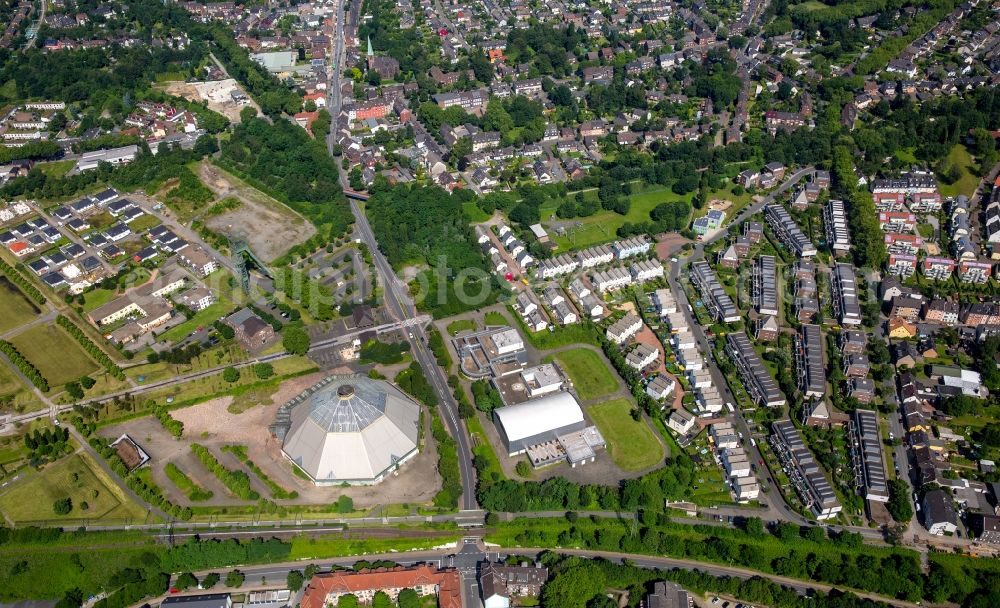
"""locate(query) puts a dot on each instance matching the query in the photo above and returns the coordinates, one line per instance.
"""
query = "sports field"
(588, 372)
(56, 355)
(631, 444)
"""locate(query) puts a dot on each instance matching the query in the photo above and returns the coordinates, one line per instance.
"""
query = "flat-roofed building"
(788, 231)
(766, 285)
(838, 236)
(845, 295)
(869, 462)
(715, 297)
(804, 471)
(809, 361)
(756, 379)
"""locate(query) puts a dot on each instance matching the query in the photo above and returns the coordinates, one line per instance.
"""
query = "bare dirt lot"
(215, 92)
(211, 424)
(268, 226)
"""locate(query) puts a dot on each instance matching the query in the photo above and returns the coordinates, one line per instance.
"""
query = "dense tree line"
(899, 505)
(376, 351)
(14, 276)
(237, 482)
(26, 367)
(172, 425)
(486, 397)
(203, 554)
(92, 349)
(413, 381)
(575, 581)
(34, 150)
(435, 342)
(103, 142)
(869, 247)
(447, 465)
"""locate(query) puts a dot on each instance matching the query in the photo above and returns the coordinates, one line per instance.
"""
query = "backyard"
(631, 444)
(588, 372)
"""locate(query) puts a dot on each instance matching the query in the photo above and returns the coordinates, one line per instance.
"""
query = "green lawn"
(76, 477)
(474, 213)
(602, 227)
(496, 318)
(588, 372)
(17, 308)
(55, 353)
(906, 155)
(202, 318)
(57, 168)
(967, 183)
(456, 327)
(631, 444)
(14, 395)
(185, 484)
(144, 223)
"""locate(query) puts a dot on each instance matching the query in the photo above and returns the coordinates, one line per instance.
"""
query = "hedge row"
(237, 482)
(172, 425)
(26, 367)
(92, 349)
(278, 492)
(18, 279)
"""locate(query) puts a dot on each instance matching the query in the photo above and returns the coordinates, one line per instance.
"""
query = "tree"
(381, 600)
(211, 579)
(348, 601)
(87, 382)
(74, 390)
(295, 580)
(186, 581)
(263, 370)
(522, 468)
(295, 339)
(899, 501)
(345, 504)
(230, 374)
(62, 506)
(235, 579)
(408, 598)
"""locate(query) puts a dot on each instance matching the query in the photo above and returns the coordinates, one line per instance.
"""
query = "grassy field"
(481, 446)
(496, 318)
(325, 546)
(56, 355)
(967, 183)
(78, 478)
(588, 372)
(474, 213)
(456, 327)
(602, 227)
(144, 223)
(213, 385)
(15, 395)
(202, 318)
(17, 309)
(56, 168)
(631, 444)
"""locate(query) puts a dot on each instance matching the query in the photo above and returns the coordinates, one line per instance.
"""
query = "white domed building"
(348, 429)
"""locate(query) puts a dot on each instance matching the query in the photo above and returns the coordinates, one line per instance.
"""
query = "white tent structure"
(349, 429)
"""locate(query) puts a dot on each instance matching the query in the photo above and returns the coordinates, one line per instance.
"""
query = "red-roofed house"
(318, 98)
(324, 589)
(19, 248)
